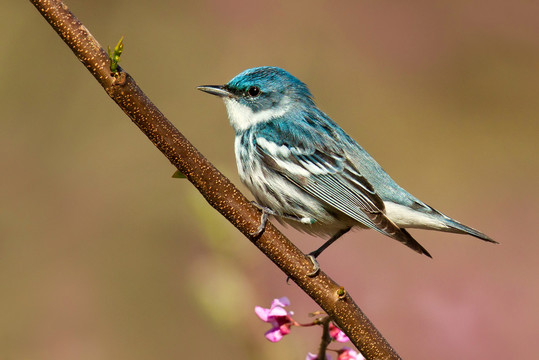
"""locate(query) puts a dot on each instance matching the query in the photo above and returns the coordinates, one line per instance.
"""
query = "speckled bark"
(216, 188)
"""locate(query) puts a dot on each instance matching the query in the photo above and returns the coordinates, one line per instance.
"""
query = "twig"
(326, 338)
(216, 188)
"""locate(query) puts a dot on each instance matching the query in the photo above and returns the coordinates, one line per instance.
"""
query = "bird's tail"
(453, 226)
(387, 227)
(412, 243)
(458, 228)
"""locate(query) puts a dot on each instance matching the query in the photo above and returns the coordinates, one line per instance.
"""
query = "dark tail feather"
(388, 228)
(459, 228)
(409, 241)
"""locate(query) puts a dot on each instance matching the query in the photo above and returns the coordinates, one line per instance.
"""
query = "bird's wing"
(325, 173)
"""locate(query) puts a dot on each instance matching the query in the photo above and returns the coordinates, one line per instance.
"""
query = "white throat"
(242, 117)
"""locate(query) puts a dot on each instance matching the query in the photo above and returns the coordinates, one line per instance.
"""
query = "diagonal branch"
(216, 188)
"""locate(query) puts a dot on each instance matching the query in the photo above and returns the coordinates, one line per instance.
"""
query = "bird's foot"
(266, 212)
(316, 266)
(263, 219)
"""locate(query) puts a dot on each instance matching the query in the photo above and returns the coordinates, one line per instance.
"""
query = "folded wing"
(326, 174)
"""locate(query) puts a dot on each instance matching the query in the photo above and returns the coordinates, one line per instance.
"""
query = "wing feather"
(326, 174)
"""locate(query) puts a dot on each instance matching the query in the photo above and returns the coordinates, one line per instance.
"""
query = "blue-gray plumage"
(304, 169)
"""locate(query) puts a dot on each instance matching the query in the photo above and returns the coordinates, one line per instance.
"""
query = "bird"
(307, 172)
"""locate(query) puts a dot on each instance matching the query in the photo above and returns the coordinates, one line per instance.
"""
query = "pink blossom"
(278, 317)
(311, 356)
(336, 334)
(348, 354)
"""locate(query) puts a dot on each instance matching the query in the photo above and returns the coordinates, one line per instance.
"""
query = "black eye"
(253, 91)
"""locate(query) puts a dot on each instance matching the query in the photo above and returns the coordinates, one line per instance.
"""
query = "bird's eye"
(253, 91)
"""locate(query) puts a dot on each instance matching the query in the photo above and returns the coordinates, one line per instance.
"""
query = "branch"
(216, 188)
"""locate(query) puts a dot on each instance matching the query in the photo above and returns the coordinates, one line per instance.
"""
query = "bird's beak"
(218, 90)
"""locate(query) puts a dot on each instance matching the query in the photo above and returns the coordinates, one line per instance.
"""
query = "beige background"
(104, 256)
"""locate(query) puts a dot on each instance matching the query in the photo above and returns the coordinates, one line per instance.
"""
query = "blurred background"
(104, 256)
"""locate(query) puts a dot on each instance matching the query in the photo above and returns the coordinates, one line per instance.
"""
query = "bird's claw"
(263, 220)
(260, 229)
(316, 266)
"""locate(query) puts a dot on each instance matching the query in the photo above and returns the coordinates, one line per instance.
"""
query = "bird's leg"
(266, 211)
(334, 238)
(263, 218)
(314, 254)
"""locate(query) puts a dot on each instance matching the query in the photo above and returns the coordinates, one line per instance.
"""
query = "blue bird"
(306, 171)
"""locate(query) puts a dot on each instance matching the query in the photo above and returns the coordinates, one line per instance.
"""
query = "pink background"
(104, 256)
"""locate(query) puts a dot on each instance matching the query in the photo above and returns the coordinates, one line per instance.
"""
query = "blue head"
(261, 94)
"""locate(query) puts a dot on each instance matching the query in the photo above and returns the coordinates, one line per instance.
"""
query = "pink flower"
(311, 356)
(278, 317)
(348, 354)
(336, 334)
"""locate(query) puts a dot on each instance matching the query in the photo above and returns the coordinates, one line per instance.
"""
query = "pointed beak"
(218, 90)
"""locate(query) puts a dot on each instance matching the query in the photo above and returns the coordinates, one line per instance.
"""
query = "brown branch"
(216, 188)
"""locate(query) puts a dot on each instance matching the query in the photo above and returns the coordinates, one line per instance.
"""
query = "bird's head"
(261, 94)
